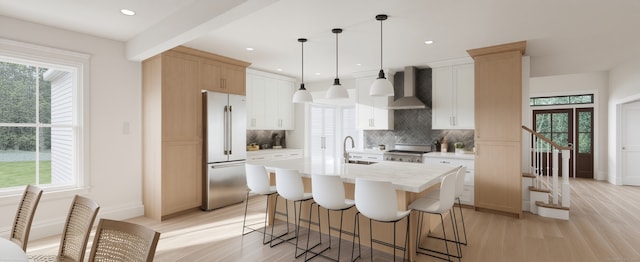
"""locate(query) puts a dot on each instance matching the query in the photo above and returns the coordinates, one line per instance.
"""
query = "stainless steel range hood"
(409, 99)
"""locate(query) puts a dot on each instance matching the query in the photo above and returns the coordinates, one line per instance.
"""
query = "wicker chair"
(123, 241)
(76, 231)
(24, 216)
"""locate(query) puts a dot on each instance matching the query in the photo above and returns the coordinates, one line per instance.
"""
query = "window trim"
(17, 51)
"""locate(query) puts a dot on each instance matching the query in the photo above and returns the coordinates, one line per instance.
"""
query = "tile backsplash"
(266, 137)
(413, 126)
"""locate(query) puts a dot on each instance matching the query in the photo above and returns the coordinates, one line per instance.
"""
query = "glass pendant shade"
(302, 95)
(381, 86)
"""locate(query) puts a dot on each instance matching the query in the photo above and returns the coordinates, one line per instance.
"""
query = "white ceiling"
(563, 36)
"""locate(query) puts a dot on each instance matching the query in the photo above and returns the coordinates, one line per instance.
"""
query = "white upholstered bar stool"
(328, 192)
(377, 200)
(460, 176)
(258, 183)
(438, 207)
(290, 187)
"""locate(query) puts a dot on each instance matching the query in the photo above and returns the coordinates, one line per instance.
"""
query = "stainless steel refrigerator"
(224, 125)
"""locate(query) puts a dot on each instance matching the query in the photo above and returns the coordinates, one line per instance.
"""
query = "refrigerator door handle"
(226, 135)
(230, 125)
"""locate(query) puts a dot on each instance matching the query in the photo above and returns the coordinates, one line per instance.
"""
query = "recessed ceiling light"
(279, 69)
(249, 48)
(317, 74)
(428, 42)
(127, 12)
(359, 64)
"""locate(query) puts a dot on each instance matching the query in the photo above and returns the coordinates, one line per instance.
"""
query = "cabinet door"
(498, 179)
(233, 79)
(210, 76)
(256, 90)
(371, 112)
(498, 99)
(285, 105)
(181, 99)
(441, 105)
(364, 103)
(464, 97)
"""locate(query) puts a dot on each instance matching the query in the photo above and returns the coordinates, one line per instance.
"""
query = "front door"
(556, 125)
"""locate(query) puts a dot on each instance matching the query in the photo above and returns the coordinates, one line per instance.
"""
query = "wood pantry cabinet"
(172, 130)
(498, 107)
(453, 89)
(372, 112)
(269, 104)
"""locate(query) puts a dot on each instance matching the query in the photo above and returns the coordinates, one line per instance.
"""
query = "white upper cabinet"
(371, 111)
(269, 105)
(452, 105)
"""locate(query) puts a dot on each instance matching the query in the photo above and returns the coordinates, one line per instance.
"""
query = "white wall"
(597, 83)
(624, 87)
(115, 151)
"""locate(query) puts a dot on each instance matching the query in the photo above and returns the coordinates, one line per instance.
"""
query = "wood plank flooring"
(604, 225)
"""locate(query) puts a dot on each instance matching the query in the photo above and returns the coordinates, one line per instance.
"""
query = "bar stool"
(438, 207)
(328, 192)
(460, 175)
(377, 200)
(258, 183)
(290, 187)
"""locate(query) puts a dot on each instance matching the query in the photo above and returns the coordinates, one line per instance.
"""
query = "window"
(561, 100)
(41, 127)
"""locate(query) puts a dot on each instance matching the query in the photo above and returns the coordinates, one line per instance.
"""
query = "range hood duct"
(409, 99)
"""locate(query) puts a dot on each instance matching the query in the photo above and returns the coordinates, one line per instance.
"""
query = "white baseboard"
(52, 227)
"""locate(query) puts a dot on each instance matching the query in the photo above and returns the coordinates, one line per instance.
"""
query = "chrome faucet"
(344, 148)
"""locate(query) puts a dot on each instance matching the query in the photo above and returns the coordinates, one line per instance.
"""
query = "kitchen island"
(411, 180)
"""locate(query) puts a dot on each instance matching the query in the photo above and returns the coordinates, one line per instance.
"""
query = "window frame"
(78, 63)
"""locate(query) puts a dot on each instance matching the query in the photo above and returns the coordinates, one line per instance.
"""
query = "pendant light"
(336, 91)
(381, 86)
(302, 95)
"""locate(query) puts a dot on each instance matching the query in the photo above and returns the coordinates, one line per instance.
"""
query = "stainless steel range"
(407, 153)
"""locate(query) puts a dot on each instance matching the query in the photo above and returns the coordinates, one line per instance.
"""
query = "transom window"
(40, 118)
(561, 100)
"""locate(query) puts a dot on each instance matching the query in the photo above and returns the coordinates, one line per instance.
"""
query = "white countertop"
(469, 156)
(366, 151)
(411, 177)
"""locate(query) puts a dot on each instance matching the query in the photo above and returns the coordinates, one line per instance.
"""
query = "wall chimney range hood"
(409, 99)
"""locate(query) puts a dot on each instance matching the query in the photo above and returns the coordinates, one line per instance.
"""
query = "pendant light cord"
(336, 55)
(302, 55)
(381, 44)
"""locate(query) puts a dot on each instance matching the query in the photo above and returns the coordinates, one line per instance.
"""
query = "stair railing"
(543, 151)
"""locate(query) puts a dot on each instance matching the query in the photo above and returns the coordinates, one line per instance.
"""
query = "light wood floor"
(604, 225)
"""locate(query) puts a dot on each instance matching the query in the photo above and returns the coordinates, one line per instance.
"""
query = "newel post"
(566, 191)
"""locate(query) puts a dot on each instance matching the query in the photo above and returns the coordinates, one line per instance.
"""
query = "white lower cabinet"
(366, 157)
(466, 160)
(274, 154)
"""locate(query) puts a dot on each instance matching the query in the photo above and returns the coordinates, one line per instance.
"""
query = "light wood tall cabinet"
(498, 107)
(172, 83)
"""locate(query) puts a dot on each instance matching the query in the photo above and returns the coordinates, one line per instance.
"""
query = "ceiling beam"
(189, 23)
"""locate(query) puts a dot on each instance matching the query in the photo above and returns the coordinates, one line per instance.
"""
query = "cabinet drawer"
(365, 157)
(467, 196)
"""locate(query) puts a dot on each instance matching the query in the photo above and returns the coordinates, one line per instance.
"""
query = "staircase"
(542, 192)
